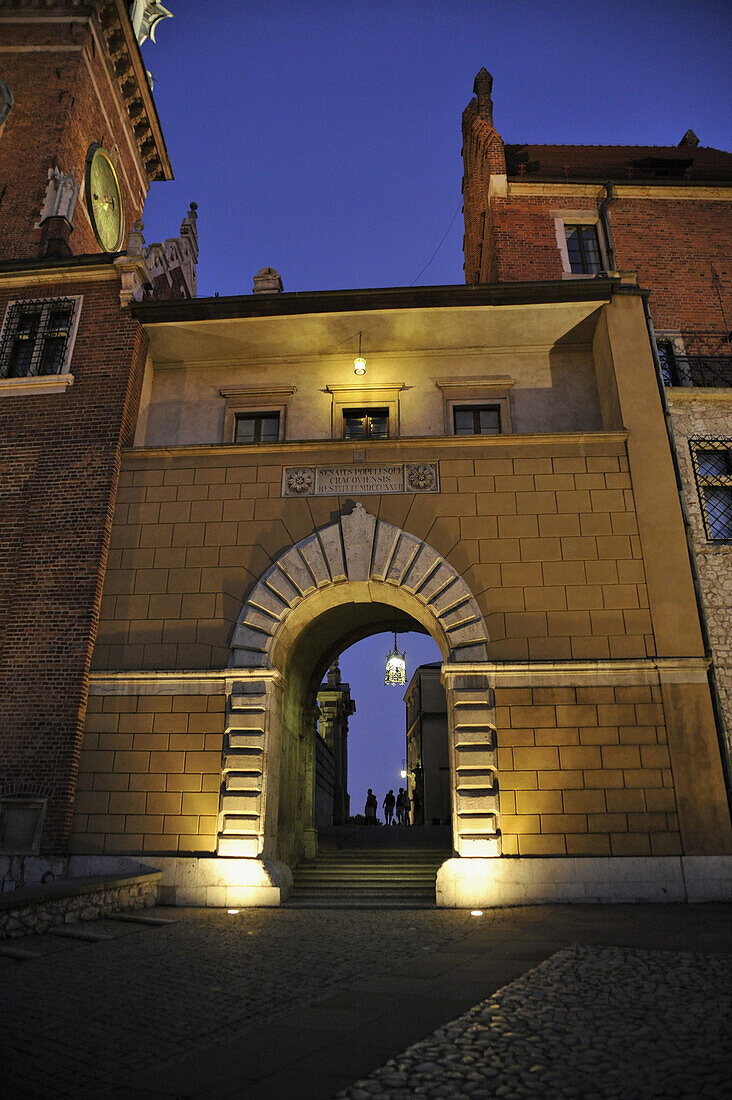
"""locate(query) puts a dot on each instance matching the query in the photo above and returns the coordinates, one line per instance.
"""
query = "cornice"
(131, 78)
(643, 670)
(665, 192)
(376, 447)
(126, 65)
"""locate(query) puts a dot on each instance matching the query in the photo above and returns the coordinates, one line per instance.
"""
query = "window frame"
(367, 413)
(493, 391)
(563, 219)
(39, 383)
(255, 401)
(361, 395)
(699, 445)
(258, 418)
(475, 409)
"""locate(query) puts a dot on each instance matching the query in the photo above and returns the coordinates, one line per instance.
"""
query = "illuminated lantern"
(359, 363)
(396, 667)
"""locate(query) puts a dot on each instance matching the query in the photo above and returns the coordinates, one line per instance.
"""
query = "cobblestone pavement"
(86, 1016)
(588, 1022)
(272, 1004)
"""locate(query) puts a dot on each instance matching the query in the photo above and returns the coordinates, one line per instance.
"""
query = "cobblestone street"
(278, 1003)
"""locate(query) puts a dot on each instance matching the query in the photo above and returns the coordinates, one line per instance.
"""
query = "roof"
(657, 163)
(594, 288)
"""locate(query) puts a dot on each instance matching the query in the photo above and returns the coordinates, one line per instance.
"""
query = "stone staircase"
(372, 868)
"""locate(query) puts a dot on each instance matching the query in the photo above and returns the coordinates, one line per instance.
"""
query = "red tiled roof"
(657, 163)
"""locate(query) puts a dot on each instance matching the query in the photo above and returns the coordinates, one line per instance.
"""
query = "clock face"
(104, 199)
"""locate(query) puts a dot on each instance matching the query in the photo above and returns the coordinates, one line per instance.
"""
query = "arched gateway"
(346, 580)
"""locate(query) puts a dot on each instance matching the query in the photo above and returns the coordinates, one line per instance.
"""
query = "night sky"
(322, 138)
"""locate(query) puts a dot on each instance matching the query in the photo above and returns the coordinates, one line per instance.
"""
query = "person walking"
(371, 808)
(406, 806)
(389, 801)
(417, 807)
(400, 807)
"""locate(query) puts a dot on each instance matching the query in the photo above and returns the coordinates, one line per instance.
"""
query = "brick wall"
(548, 543)
(680, 247)
(64, 101)
(585, 771)
(59, 457)
(149, 774)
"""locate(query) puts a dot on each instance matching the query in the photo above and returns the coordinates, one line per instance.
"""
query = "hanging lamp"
(396, 667)
(359, 363)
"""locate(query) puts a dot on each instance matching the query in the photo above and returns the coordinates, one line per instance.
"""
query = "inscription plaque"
(326, 481)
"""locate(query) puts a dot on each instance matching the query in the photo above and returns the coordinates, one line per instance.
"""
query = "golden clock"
(104, 199)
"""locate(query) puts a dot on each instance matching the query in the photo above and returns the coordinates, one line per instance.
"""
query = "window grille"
(712, 461)
(36, 336)
(697, 359)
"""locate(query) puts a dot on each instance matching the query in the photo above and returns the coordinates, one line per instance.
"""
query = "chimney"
(689, 140)
(482, 87)
(267, 281)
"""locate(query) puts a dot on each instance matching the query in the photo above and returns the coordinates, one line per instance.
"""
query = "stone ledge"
(465, 883)
(37, 908)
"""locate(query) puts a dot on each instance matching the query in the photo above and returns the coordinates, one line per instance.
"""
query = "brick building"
(71, 367)
(569, 211)
(206, 501)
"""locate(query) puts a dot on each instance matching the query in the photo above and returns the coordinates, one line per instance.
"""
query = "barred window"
(37, 337)
(712, 461)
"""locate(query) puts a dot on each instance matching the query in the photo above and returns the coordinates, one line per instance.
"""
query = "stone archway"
(355, 560)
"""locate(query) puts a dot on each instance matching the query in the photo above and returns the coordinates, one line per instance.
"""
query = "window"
(365, 423)
(477, 406)
(476, 419)
(257, 427)
(583, 249)
(255, 414)
(37, 338)
(712, 460)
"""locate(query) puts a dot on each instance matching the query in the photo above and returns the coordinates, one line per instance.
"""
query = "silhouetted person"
(400, 806)
(389, 801)
(406, 806)
(371, 808)
(417, 807)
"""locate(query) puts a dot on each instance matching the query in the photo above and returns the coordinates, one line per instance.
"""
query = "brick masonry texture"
(64, 101)
(585, 771)
(547, 542)
(60, 455)
(705, 417)
(149, 775)
(680, 248)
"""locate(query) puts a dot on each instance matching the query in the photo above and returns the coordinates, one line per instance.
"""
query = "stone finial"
(482, 88)
(145, 16)
(189, 229)
(136, 241)
(267, 281)
(334, 674)
(689, 140)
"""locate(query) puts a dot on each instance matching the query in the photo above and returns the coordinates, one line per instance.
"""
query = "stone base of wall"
(223, 882)
(40, 907)
(488, 883)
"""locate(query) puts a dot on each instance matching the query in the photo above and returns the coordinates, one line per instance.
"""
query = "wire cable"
(440, 244)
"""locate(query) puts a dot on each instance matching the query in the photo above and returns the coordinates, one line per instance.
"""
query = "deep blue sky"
(322, 137)
(377, 731)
